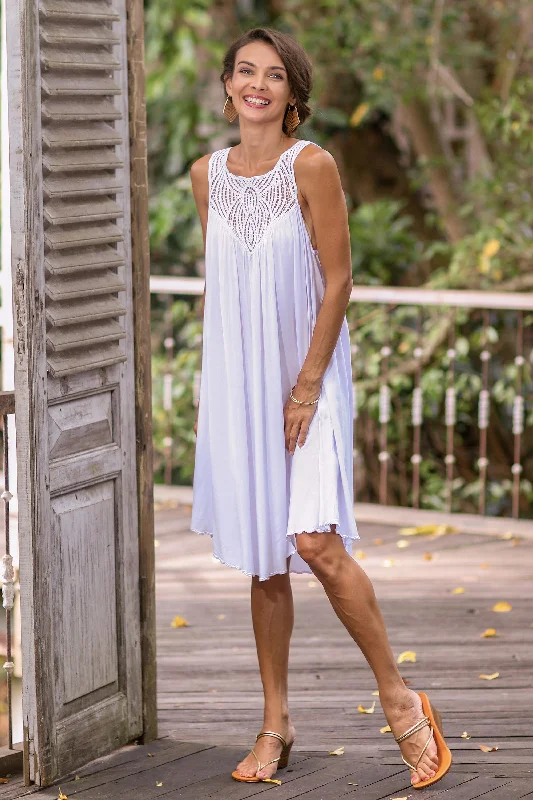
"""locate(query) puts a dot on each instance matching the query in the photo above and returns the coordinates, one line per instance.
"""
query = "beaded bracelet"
(303, 402)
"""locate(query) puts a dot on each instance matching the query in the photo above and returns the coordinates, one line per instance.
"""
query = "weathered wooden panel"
(81, 520)
(74, 423)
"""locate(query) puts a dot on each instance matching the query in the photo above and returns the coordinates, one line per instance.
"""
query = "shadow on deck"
(210, 701)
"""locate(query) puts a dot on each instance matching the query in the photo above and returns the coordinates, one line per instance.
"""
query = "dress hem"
(327, 526)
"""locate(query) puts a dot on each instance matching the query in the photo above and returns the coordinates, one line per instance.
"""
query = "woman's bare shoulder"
(314, 167)
(200, 167)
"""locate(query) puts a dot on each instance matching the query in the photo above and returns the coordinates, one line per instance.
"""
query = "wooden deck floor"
(209, 690)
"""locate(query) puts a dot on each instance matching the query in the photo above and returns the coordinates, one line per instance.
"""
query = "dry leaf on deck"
(489, 633)
(159, 783)
(179, 622)
(487, 749)
(402, 543)
(427, 556)
(271, 780)
(427, 530)
(385, 729)
(338, 752)
(465, 735)
(364, 710)
(150, 755)
(4, 780)
(407, 655)
(490, 677)
(399, 798)
(502, 606)
(458, 590)
(378, 541)
(61, 795)
(507, 535)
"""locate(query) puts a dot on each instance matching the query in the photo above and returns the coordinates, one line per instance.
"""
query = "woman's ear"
(228, 86)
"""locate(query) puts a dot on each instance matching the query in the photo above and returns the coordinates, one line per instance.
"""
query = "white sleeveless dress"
(264, 288)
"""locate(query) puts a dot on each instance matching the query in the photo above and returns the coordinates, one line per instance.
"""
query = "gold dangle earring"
(229, 110)
(292, 120)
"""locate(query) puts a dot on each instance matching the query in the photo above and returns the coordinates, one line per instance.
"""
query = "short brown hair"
(294, 58)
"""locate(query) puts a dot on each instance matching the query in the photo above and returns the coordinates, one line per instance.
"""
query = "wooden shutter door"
(74, 381)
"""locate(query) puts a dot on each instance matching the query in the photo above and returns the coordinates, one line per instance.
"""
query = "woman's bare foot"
(402, 709)
(267, 748)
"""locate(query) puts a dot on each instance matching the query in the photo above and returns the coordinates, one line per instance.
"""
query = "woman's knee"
(316, 549)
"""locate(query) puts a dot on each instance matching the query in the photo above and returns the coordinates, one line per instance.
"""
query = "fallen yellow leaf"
(159, 783)
(271, 780)
(360, 554)
(179, 622)
(402, 543)
(489, 633)
(458, 590)
(221, 616)
(385, 729)
(502, 606)
(399, 798)
(378, 541)
(490, 677)
(407, 655)
(487, 749)
(507, 535)
(364, 710)
(389, 562)
(427, 530)
(61, 795)
(4, 780)
(465, 735)
(338, 752)
(428, 556)
(150, 755)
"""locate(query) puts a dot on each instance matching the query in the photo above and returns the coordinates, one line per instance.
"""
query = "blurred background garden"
(426, 107)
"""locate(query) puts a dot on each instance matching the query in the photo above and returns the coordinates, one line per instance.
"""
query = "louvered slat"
(70, 337)
(65, 110)
(65, 187)
(81, 160)
(72, 85)
(85, 260)
(91, 134)
(61, 212)
(75, 288)
(99, 59)
(72, 362)
(55, 33)
(58, 238)
(76, 312)
(76, 10)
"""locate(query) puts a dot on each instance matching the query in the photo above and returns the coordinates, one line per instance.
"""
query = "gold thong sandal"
(283, 759)
(433, 719)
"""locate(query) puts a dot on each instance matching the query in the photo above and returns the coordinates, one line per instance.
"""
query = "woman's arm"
(200, 190)
(319, 182)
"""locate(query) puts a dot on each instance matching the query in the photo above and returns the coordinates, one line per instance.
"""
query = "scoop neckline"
(262, 175)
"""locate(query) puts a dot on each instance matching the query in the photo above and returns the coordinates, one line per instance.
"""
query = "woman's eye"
(276, 75)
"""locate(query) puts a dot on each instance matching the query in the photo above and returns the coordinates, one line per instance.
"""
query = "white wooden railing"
(417, 351)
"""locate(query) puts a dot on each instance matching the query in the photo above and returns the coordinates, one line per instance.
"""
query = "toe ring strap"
(262, 766)
(414, 729)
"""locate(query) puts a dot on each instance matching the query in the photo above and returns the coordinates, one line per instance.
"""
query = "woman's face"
(259, 87)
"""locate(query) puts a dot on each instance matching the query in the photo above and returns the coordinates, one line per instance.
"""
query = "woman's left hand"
(297, 420)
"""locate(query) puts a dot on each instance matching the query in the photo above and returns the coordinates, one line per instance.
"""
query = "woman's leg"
(273, 619)
(353, 599)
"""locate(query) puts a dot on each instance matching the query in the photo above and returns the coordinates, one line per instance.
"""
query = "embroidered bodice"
(249, 206)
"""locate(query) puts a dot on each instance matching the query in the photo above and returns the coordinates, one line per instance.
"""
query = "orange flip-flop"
(433, 719)
(283, 759)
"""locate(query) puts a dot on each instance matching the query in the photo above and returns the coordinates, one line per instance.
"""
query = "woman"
(273, 472)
